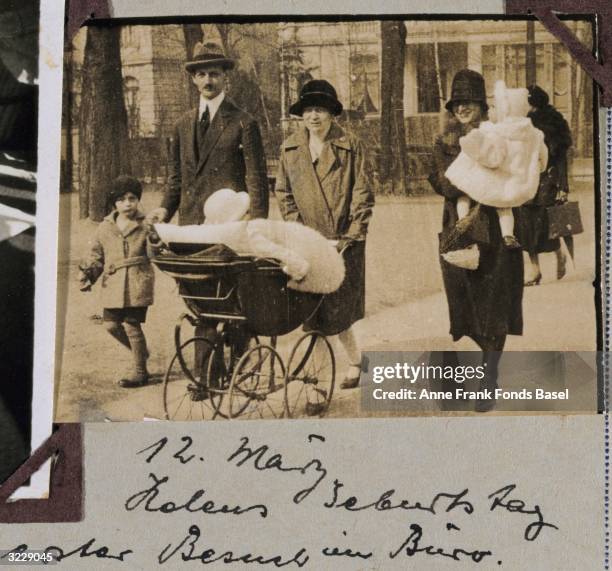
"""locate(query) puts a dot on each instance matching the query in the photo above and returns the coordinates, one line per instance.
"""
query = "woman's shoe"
(351, 380)
(534, 282)
(134, 382)
(349, 383)
(484, 405)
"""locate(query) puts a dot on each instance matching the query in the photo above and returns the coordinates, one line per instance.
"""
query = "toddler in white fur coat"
(500, 163)
(310, 260)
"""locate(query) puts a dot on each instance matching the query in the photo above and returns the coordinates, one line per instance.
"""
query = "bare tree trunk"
(393, 167)
(574, 102)
(262, 98)
(193, 34)
(224, 34)
(437, 70)
(103, 132)
(530, 55)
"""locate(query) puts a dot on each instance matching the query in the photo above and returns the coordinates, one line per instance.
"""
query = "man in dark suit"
(214, 146)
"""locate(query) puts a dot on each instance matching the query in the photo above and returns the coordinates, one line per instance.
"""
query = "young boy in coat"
(120, 254)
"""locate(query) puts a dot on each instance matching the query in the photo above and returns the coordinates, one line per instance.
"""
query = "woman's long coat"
(334, 197)
(486, 302)
(130, 286)
(533, 221)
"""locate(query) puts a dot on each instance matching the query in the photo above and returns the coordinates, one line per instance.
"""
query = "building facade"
(348, 54)
(275, 59)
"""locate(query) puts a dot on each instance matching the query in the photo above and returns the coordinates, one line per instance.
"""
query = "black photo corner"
(19, 25)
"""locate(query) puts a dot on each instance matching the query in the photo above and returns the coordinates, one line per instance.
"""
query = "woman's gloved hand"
(344, 243)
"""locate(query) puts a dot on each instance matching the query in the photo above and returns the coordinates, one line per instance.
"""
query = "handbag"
(563, 220)
(467, 258)
(459, 245)
(474, 228)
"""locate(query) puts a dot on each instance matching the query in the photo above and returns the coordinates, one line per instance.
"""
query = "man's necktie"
(204, 121)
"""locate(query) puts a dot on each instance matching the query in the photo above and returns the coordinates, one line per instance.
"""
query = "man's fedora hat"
(208, 54)
(468, 86)
(317, 93)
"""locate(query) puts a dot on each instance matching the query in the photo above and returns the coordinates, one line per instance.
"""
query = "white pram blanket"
(310, 260)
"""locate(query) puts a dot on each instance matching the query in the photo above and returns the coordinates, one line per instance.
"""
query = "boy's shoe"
(198, 392)
(134, 382)
(511, 243)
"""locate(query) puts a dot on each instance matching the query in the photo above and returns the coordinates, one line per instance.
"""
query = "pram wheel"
(185, 394)
(311, 374)
(256, 386)
(229, 347)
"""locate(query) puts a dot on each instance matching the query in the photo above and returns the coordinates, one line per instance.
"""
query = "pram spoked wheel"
(256, 388)
(186, 392)
(311, 374)
(236, 375)
(230, 344)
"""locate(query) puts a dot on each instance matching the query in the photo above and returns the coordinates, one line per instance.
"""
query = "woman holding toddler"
(485, 302)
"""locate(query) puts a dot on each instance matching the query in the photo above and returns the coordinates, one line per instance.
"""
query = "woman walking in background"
(322, 183)
(554, 187)
(484, 303)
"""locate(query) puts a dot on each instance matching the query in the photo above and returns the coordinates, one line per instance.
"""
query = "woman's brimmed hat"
(208, 54)
(317, 93)
(468, 86)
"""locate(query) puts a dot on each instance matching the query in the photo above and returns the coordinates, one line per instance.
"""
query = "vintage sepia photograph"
(252, 213)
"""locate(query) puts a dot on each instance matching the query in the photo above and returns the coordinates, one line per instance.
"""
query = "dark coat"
(232, 156)
(487, 301)
(335, 198)
(532, 221)
(558, 140)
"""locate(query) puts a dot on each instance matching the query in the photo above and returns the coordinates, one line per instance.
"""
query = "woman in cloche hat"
(485, 303)
(323, 183)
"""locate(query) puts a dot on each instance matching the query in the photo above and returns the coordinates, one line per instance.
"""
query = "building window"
(489, 69)
(561, 79)
(296, 82)
(365, 83)
(508, 62)
(435, 72)
(130, 93)
(514, 62)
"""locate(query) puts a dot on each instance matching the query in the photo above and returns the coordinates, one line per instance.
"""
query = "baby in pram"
(308, 258)
(500, 163)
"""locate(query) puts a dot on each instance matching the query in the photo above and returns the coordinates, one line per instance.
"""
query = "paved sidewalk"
(406, 310)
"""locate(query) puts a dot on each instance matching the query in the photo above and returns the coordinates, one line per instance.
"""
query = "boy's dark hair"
(121, 186)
